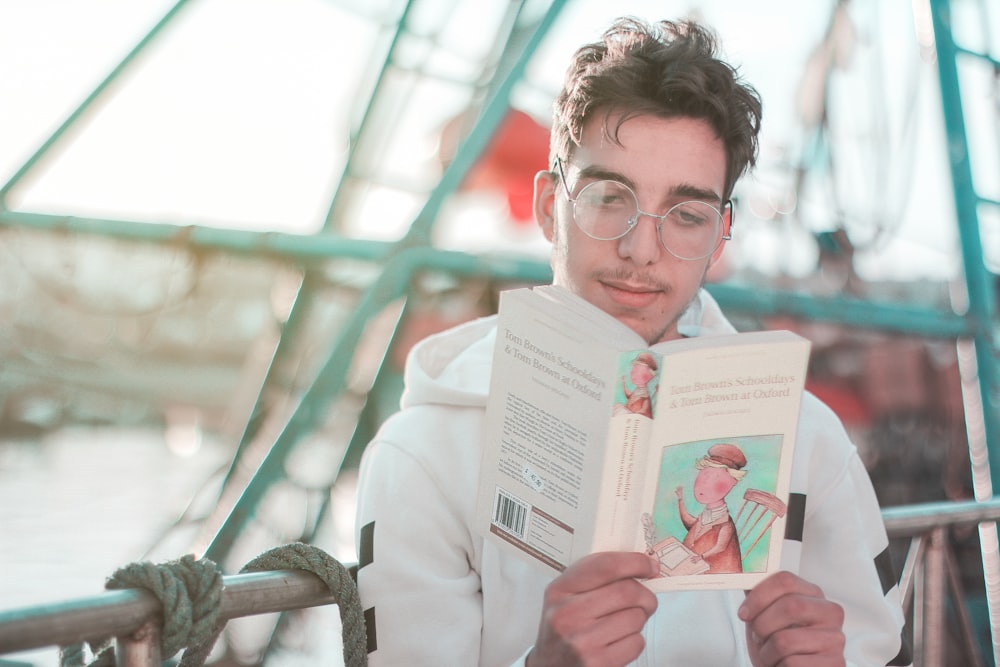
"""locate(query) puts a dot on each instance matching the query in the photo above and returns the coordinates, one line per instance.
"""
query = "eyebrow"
(686, 190)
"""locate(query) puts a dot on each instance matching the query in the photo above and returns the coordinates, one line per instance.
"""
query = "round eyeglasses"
(608, 210)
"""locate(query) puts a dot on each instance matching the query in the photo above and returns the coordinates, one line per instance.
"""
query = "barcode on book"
(510, 513)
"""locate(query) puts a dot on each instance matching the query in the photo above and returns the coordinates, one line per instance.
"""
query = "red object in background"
(843, 401)
(898, 377)
(518, 150)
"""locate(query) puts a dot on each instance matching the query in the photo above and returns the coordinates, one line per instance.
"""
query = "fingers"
(597, 633)
(789, 620)
(569, 610)
(808, 647)
(786, 599)
(595, 611)
(603, 583)
(599, 569)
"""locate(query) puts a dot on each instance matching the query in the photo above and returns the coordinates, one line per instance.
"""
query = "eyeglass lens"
(607, 210)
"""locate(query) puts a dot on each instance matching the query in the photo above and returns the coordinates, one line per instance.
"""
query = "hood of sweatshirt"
(453, 367)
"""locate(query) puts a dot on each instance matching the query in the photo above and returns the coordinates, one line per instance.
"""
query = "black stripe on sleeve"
(367, 546)
(370, 629)
(886, 571)
(796, 516)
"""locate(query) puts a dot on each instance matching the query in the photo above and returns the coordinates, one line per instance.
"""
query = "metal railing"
(930, 573)
(133, 616)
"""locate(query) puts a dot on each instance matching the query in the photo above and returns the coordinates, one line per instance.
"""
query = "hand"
(679, 492)
(790, 623)
(594, 612)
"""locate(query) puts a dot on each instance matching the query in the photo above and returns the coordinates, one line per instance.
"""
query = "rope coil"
(190, 592)
(338, 580)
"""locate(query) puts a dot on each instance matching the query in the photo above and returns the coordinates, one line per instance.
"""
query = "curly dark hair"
(667, 69)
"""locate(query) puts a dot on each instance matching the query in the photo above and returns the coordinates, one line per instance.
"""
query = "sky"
(241, 116)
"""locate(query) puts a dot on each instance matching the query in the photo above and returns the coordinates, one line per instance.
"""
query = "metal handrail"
(909, 520)
(929, 574)
(121, 613)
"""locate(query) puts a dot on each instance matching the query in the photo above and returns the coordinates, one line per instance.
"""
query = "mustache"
(638, 279)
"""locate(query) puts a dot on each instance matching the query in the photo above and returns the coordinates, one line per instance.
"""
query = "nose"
(642, 244)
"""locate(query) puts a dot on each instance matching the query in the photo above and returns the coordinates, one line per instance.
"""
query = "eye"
(606, 195)
(692, 214)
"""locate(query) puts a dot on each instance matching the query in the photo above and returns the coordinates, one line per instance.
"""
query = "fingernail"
(742, 612)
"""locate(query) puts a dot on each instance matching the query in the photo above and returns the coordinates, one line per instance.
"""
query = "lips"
(631, 296)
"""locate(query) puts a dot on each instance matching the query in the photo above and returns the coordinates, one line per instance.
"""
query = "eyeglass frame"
(727, 235)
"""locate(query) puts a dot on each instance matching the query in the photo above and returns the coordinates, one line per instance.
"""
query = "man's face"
(634, 278)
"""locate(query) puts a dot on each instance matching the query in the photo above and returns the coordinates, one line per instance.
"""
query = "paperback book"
(597, 441)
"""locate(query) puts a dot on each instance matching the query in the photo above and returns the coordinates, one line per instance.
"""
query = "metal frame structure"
(399, 262)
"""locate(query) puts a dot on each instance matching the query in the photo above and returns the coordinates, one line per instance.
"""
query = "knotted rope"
(338, 580)
(299, 556)
(190, 592)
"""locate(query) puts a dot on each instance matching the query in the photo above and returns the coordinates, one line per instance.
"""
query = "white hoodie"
(436, 594)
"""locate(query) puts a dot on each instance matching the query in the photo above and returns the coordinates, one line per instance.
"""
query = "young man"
(650, 133)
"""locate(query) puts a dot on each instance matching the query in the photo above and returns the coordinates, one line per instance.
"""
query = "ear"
(544, 202)
(727, 230)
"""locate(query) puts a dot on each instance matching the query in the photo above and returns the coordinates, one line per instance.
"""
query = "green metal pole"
(980, 282)
(914, 320)
(853, 312)
(26, 168)
(391, 284)
(484, 129)
(981, 292)
(366, 114)
(281, 245)
(297, 319)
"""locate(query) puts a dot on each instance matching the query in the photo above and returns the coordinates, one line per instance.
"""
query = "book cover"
(596, 441)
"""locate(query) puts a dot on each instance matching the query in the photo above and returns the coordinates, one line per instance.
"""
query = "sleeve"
(845, 551)
(420, 594)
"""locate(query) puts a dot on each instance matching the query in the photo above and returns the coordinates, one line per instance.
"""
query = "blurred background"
(223, 223)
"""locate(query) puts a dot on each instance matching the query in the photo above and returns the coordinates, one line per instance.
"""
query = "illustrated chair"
(759, 510)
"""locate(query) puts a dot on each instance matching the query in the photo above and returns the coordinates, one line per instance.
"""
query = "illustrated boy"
(712, 534)
(639, 398)
(650, 132)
